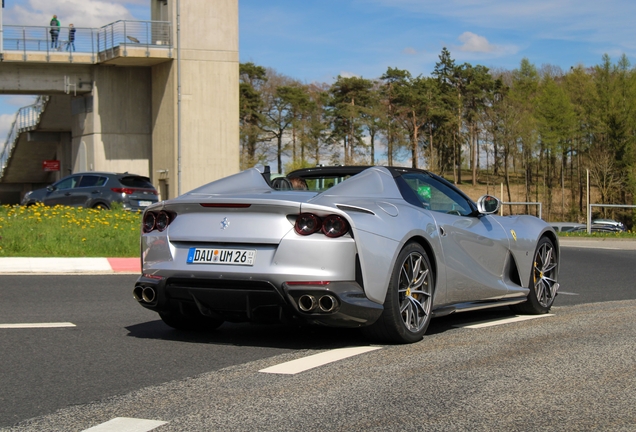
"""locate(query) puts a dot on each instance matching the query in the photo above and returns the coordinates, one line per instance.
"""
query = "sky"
(318, 40)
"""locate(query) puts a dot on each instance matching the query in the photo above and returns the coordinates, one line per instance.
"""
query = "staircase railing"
(27, 119)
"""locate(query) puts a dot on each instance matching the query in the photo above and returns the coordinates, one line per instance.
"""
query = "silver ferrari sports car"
(382, 248)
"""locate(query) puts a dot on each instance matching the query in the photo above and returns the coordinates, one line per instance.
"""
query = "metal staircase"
(26, 120)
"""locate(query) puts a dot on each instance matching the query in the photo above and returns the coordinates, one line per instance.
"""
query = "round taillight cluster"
(157, 221)
(331, 226)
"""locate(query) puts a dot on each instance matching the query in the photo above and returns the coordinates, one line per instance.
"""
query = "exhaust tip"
(148, 295)
(138, 293)
(307, 303)
(327, 303)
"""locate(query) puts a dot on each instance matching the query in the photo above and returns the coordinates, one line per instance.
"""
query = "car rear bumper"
(338, 304)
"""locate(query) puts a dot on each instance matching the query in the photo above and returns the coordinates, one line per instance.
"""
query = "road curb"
(19, 265)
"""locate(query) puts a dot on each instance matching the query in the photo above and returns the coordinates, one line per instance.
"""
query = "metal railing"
(522, 203)
(135, 34)
(27, 119)
(27, 39)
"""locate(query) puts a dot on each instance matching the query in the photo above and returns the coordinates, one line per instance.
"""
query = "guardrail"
(26, 119)
(123, 33)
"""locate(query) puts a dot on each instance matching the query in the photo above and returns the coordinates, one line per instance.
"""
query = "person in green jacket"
(55, 31)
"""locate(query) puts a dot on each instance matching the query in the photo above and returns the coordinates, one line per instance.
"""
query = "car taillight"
(127, 191)
(157, 221)
(163, 220)
(307, 223)
(149, 222)
(332, 226)
(130, 191)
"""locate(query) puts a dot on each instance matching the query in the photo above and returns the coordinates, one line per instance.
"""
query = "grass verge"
(40, 231)
(60, 231)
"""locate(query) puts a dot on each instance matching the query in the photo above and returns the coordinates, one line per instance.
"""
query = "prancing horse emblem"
(225, 223)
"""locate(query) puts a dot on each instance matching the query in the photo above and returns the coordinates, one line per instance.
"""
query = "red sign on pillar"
(51, 165)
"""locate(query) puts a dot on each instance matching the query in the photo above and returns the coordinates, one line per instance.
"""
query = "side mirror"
(50, 188)
(488, 204)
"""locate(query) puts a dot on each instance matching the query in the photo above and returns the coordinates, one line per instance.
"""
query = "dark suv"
(97, 190)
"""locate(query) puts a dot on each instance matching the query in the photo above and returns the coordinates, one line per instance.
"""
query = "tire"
(543, 280)
(190, 323)
(409, 299)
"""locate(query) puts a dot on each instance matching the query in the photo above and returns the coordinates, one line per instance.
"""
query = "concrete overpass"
(157, 98)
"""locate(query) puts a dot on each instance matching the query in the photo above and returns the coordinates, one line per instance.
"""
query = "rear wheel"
(543, 280)
(409, 299)
(101, 206)
(190, 323)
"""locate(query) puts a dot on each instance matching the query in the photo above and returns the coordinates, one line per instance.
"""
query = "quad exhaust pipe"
(326, 303)
(307, 303)
(144, 294)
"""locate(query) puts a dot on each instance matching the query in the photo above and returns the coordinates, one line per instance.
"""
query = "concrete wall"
(44, 78)
(124, 110)
(115, 125)
(209, 96)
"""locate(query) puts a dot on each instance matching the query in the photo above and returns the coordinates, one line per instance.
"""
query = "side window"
(437, 196)
(68, 183)
(92, 181)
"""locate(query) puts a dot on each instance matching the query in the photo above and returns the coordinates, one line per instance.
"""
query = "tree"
(349, 98)
(251, 80)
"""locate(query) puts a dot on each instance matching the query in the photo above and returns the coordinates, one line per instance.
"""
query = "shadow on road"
(286, 336)
(257, 335)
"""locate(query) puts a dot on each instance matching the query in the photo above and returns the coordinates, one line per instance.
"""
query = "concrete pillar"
(111, 127)
(209, 95)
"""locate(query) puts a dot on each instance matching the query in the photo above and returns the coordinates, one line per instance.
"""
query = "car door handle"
(67, 194)
(95, 192)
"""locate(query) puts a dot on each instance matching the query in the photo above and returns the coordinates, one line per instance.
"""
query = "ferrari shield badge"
(514, 234)
(225, 223)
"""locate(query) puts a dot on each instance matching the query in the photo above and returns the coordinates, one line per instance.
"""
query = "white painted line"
(567, 293)
(38, 325)
(491, 323)
(126, 424)
(306, 363)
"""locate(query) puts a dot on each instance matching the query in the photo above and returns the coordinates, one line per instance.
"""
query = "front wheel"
(543, 280)
(409, 299)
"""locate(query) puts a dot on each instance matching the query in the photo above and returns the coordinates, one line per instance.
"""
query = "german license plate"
(144, 203)
(221, 256)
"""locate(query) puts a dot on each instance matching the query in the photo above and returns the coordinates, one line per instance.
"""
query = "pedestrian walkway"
(70, 265)
(598, 243)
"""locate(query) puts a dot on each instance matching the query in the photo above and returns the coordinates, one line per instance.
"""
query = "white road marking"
(496, 322)
(38, 325)
(126, 424)
(312, 361)
(567, 293)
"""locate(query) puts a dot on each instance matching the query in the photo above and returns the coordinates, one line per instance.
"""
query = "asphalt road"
(575, 370)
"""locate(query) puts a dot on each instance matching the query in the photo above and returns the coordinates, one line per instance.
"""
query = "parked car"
(97, 190)
(566, 226)
(598, 228)
(609, 222)
(382, 248)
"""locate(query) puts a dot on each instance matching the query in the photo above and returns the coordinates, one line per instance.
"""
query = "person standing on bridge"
(55, 31)
(70, 46)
